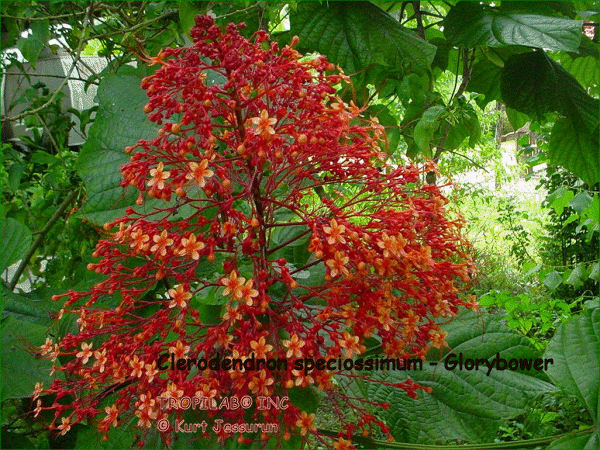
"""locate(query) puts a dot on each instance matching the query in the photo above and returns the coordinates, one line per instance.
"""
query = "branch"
(40, 238)
(33, 19)
(467, 68)
(45, 75)
(375, 443)
(418, 16)
(64, 82)
(479, 166)
(169, 13)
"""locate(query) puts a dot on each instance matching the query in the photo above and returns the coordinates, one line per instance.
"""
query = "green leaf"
(120, 122)
(574, 349)
(120, 437)
(31, 46)
(15, 240)
(426, 127)
(304, 398)
(575, 149)
(42, 157)
(470, 24)
(31, 308)
(581, 201)
(535, 84)
(188, 11)
(559, 199)
(485, 79)
(585, 69)
(594, 272)
(575, 441)
(464, 405)
(517, 119)
(15, 172)
(464, 124)
(553, 280)
(17, 339)
(356, 35)
(575, 278)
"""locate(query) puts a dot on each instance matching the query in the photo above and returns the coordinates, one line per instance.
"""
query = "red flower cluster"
(280, 208)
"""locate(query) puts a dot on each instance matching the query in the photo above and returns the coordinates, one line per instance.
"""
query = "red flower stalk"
(251, 168)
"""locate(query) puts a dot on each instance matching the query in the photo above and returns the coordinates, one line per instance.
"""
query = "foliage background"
(503, 96)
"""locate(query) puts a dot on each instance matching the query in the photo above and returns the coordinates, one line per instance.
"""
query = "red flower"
(246, 158)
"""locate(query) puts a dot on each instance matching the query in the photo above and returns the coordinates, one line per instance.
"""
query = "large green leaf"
(463, 124)
(585, 69)
(426, 127)
(18, 337)
(188, 10)
(464, 405)
(356, 35)
(469, 24)
(485, 79)
(15, 240)
(575, 149)
(120, 122)
(576, 441)
(574, 349)
(33, 308)
(535, 84)
(32, 45)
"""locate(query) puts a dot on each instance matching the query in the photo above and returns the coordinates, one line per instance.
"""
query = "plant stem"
(40, 238)
(375, 443)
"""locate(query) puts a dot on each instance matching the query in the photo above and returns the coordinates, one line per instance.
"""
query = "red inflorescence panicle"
(256, 160)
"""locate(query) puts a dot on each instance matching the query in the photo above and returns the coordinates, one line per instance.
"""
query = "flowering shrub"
(254, 171)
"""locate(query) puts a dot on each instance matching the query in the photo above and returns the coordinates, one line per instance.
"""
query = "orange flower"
(264, 123)
(206, 391)
(47, 347)
(343, 443)
(85, 353)
(139, 240)
(259, 385)
(38, 408)
(100, 359)
(65, 426)
(246, 293)
(37, 390)
(233, 285)
(350, 345)
(388, 244)
(301, 379)
(137, 365)
(151, 371)
(146, 416)
(112, 415)
(305, 423)
(232, 314)
(335, 232)
(179, 350)
(294, 345)
(190, 247)
(338, 265)
(438, 338)
(179, 297)
(158, 177)
(161, 242)
(172, 391)
(260, 347)
(198, 172)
